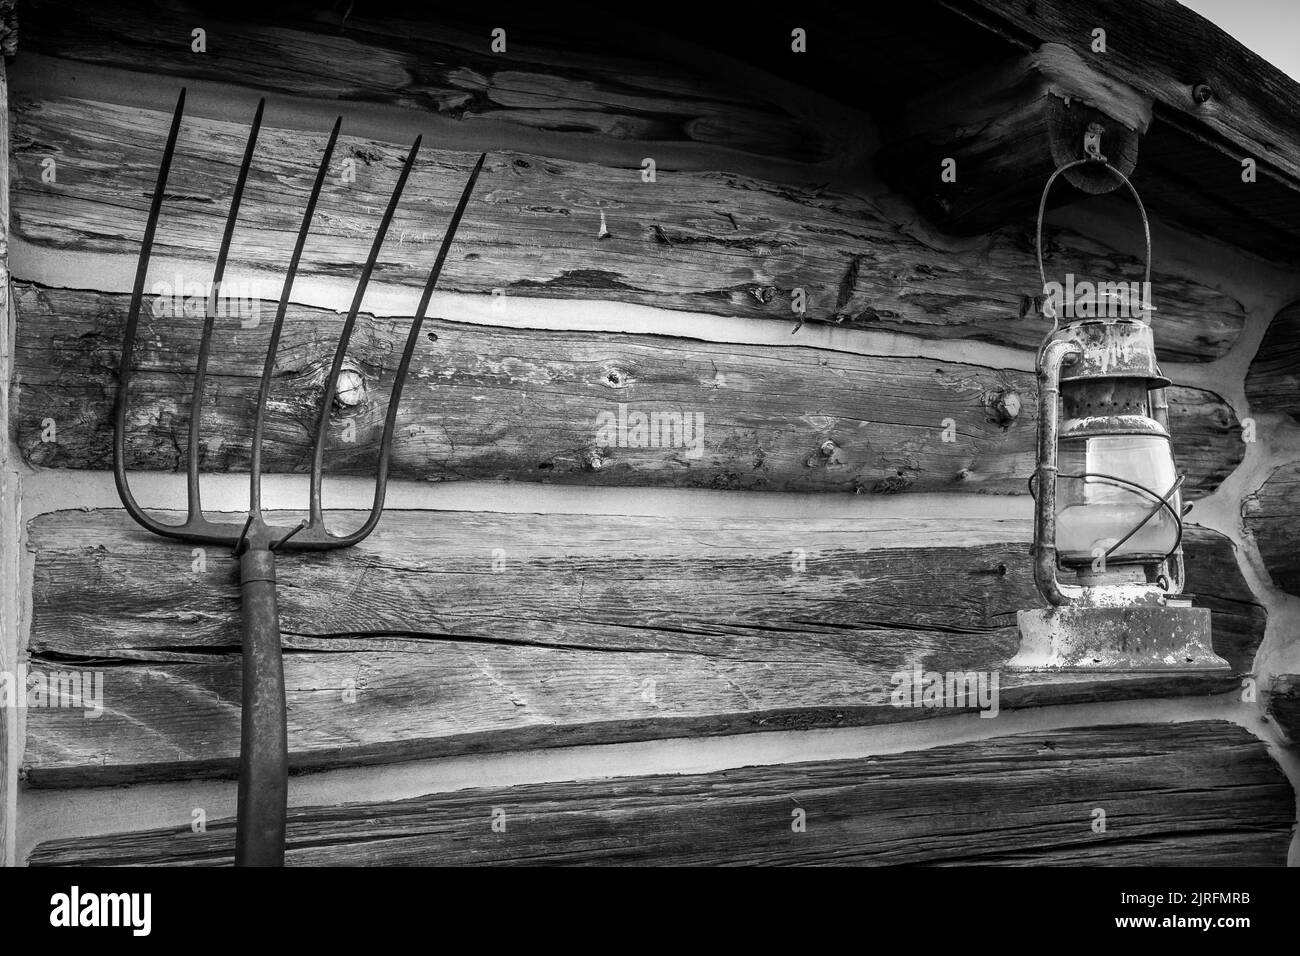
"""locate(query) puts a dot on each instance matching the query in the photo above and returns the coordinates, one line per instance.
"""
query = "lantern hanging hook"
(1092, 143)
(1091, 160)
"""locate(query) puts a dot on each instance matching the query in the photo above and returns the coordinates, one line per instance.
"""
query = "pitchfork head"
(310, 534)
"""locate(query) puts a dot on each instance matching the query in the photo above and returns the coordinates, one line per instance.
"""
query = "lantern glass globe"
(1097, 503)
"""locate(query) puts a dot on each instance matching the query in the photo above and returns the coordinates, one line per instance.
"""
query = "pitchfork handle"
(264, 748)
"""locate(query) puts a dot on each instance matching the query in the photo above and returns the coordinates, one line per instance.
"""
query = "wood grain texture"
(1273, 382)
(591, 629)
(486, 402)
(1272, 515)
(715, 243)
(1204, 793)
(554, 80)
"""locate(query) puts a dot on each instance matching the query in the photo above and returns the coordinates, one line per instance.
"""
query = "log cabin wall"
(563, 642)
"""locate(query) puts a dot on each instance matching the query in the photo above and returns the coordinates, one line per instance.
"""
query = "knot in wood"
(1005, 405)
(615, 378)
(351, 388)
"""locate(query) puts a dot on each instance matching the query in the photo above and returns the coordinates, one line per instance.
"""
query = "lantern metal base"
(1130, 640)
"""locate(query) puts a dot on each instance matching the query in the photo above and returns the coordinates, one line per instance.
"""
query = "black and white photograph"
(641, 434)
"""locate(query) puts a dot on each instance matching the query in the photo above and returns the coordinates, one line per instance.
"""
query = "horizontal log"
(450, 632)
(705, 242)
(485, 402)
(1273, 381)
(544, 80)
(1204, 793)
(1226, 100)
(1272, 515)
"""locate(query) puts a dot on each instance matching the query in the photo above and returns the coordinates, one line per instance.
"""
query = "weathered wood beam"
(1204, 793)
(1215, 104)
(1188, 180)
(560, 82)
(1191, 69)
(451, 632)
(1272, 515)
(705, 242)
(523, 404)
(1273, 382)
(974, 155)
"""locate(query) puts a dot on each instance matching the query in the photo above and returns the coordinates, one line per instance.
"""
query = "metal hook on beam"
(1092, 143)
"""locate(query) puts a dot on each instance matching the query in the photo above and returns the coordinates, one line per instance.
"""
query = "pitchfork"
(263, 758)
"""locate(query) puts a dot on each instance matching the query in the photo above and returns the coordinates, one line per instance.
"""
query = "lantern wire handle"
(1162, 502)
(1042, 210)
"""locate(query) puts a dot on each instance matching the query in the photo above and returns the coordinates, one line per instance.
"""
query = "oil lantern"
(1108, 512)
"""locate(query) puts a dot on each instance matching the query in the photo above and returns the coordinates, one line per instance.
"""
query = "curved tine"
(386, 445)
(132, 320)
(209, 318)
(318, 458)
(264, 391)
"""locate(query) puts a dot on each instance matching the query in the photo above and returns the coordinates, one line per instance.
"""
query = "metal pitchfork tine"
(263, 758)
